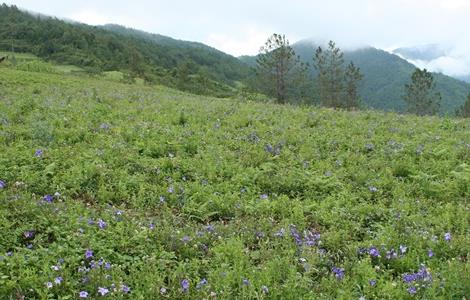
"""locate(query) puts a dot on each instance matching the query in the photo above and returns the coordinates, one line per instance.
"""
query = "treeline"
(98, 49)
(282, 75)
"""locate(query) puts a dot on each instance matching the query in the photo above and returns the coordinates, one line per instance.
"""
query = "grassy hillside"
(144, 192)
(114, 48)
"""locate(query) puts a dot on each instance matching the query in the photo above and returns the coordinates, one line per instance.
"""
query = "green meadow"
(126, 191)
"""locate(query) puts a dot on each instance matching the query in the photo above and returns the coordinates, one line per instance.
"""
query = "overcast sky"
(241, 27)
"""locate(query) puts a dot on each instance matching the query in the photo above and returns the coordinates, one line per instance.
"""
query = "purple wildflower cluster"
(389, 254)
(422, 277)
(2, 184)
(309, 238)
(101, 263)
(338, 272)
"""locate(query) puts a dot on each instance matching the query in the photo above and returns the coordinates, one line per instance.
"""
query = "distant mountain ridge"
(112, 48)
(385, 76)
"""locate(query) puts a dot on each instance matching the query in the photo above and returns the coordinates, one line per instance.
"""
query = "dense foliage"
(421, 95)
(142, 192)
(385, 76)
(280, 73)
(113, 48)
(464, 110)
(336, 84)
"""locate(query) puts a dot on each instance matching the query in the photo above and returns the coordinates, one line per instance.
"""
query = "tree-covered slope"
(385, 76)
(111, 48)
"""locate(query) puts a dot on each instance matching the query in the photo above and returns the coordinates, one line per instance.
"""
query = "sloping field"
(129, 192)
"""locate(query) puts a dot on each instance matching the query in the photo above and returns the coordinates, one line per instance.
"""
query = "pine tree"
(464, 110)
(278, 68)
(352, 78)
(336, 86)
(328, 64)
(421, 95)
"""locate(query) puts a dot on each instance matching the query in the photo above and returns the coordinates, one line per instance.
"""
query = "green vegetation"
(118, 49)
(421, 95)
(385, 76)
(336, 85)
(140, 192)
(464, 110)
(280, 72)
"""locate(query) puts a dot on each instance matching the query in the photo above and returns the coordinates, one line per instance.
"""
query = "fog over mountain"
(446, 59)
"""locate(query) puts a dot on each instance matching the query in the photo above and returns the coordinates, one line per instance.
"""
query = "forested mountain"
(153, 57)
(385, 76)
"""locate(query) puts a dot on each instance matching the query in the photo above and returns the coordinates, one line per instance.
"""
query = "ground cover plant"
(121, 191)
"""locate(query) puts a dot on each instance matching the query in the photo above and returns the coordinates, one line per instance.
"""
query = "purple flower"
(338, 272)
(186, 239)
(171, 190)
(265, 289)
(374, 252)
(107, 266)
(403, 249)
(2, 184)
(90, 221)
(264, 197)
(163, 291)
(102, 291)
(55, 268)
(118, 212)
(88, 253)
(391, 254)
(210, 228)
(101, 224)
(29, 246)
(152, 226)
(430, 253)
(83, 294)
(38, 153)
(259, 234)
(49, 285)
(246, 281)
(295, 234)
(373, 189)
(29, 234)
(125, 289)
(408, 278)
(372, 282)
(58, 280)
(48, 198)
(185, 285)
(311, 238)
(201, 283)
(412, 290)
(280, 233)
(447, 236)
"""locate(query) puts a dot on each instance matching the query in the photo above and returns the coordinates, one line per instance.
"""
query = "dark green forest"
(155, 58)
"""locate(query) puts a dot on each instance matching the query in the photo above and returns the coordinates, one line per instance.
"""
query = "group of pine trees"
(282, 75)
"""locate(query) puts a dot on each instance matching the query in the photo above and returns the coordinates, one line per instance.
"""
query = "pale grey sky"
(241, 27)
